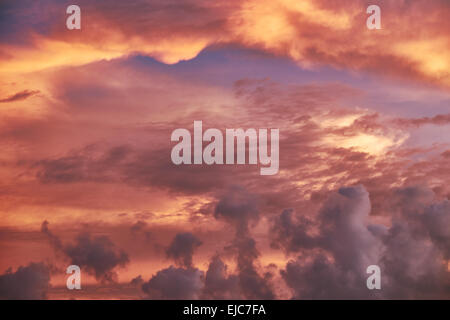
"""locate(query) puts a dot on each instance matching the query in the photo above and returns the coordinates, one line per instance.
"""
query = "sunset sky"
(86, 175)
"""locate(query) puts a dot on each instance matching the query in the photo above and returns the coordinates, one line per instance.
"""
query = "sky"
(86, 176)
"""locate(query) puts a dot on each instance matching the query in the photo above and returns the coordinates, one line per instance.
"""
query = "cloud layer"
(309, 32)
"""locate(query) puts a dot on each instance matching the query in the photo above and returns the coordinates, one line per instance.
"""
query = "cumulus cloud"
(338, 245)
(440, 120)
(29, 282)
(97, 255)
(175, 283)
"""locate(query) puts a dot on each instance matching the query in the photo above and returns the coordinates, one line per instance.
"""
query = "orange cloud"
(410, 44)
(309, 32)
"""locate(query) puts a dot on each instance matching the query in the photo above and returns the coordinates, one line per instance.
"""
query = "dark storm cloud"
(333, 260)
(26, 283)
(182, 249)
(175, 283)
(97, 255)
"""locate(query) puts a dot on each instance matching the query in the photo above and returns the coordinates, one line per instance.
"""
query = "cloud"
(137, 281)
(311, 33)
(22, 95)
(219, 285)
(440, 120)
(436, 221)
(175, 283)
(30, 282)
(82, 165)
(239, 207)
(90, 145)
(97, 255)
(139, 228)
(182, 249)
(344, 233)
(190, 26)
(253, 285)
(332, 260)
(311, 122)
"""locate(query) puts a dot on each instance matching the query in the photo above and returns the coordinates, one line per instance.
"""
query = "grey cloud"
(239, 207)
(182, 249)
(22, 95)
(29, 282)
(333, 260)
(98, 255)
(175, 283)
(253, 285)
